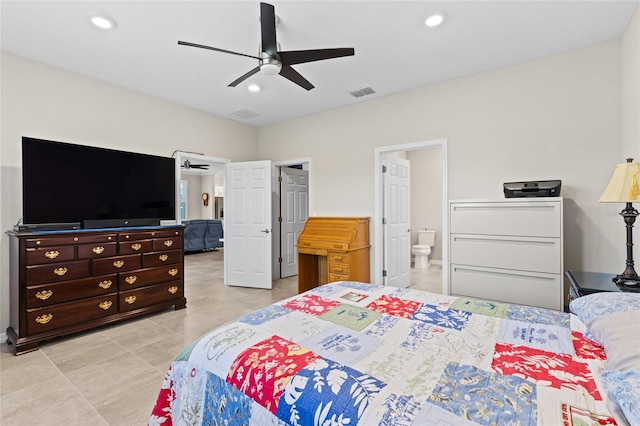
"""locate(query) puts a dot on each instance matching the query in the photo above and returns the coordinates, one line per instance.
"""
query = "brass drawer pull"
(131, 279)
(136, 246)
(118, 263)
(52, 254)
(173, 290)
(97, 250)
(173, 272)
(130, 299)
(168, 243)
(163, 257)
(105, 284)
(43, 319)
(44, 294)
(60, 271)
(105, 305)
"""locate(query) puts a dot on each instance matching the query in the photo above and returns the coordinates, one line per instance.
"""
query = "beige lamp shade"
(624, 184)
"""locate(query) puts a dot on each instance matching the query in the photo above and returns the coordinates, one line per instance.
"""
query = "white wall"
(46, 102)
(553, 118)
(631, 89)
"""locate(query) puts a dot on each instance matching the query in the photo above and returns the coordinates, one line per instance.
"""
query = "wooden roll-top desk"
(333, 249)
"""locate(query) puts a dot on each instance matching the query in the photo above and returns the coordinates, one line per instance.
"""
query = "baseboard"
(435, 262)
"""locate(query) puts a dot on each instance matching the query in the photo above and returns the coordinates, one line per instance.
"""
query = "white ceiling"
(394, 51)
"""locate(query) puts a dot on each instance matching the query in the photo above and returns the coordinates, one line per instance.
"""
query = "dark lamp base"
(627, 280)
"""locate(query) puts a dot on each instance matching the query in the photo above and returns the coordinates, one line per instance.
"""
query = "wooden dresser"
(333, 249)
(63, 282)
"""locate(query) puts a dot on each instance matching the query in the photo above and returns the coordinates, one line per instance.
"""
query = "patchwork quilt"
(352, 354)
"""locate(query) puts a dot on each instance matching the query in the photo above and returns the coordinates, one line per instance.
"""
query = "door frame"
(378, 246)
(275, 269)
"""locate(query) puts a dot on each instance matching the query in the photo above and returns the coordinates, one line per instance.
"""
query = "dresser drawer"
(69, 238)
(161, 258)
(53, 254)
(139, 246)
(151, 295)
(326, 244)
(534, 289)
(144, 277)
(536, 219)
(96, 250)
(51, 294)
(56, 316)
(167, 233)
(338, 277)
(109, 265)
(313, 251)
(135, 236)
(506, 252)
(338, 268)
(338, 257)
(57, 272)
(169, 243)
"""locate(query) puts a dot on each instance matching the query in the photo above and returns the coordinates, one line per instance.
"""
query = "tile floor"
(111, 376)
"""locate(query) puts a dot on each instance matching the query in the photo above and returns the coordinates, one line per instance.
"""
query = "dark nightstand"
(583, 283)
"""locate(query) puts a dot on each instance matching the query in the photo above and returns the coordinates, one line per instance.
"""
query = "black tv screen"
(69, 183)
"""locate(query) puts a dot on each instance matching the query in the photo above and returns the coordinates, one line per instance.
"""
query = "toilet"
(422, 250)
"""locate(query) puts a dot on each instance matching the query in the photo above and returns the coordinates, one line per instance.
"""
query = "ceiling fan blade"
(301, 56)
(239, 80)
(202, 46)
(293, 75)
(268, 29)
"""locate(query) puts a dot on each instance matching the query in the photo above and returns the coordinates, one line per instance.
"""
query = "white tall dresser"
(508, 250)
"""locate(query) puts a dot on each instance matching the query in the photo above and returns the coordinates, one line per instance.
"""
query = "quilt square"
(224, 404)
(552, 369)
(263, 315)
(353, 317)
(538, 315)
(485, 397)
(337, 395)
(575, 416)
(482, 307)
(547, 337)
(395, 306)
(311, 304)
(263, 370)
(342, 344)
(587, 348)
(442, 317)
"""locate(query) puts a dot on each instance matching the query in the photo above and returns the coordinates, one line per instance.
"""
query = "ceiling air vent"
(245, 113)
(362, 92)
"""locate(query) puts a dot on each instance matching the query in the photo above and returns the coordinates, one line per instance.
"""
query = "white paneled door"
(294, 190)
(248, 233)
(397, 233)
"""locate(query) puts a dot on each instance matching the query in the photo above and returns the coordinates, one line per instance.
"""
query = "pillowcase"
(597, 304)
(623, 388)
(619, 333)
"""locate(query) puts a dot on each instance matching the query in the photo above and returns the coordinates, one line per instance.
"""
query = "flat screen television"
(69, 184)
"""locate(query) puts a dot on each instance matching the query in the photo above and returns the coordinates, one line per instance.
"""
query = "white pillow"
(619, 333)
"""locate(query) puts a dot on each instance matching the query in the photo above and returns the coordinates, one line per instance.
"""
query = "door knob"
(266, 231)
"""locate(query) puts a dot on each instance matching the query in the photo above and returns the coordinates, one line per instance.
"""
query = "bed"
(351, 353)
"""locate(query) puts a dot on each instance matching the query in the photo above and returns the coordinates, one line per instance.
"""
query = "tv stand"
(65, 282)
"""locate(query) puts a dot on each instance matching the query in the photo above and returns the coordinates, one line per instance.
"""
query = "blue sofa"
(202, 234)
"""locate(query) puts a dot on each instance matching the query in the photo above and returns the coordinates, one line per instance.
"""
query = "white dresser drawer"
(507, 252)
(530, 218)
(534, 289)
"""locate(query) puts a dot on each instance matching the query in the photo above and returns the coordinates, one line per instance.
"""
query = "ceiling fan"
(272, 61)
(188, 165)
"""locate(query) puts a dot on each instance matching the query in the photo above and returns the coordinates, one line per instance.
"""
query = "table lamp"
(624, 188)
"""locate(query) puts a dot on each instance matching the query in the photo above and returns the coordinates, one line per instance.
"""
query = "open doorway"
(392, 253)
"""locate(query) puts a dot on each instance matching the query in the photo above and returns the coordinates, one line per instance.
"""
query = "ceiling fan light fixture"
(103, 22)
(253, 88)
(435, 19)
(270, 66)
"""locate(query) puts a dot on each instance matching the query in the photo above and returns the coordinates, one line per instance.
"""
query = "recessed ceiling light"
(435, 19)
(102, 22)
(253, 88)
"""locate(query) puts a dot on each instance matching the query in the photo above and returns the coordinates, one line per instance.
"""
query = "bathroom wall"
(426, 195)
